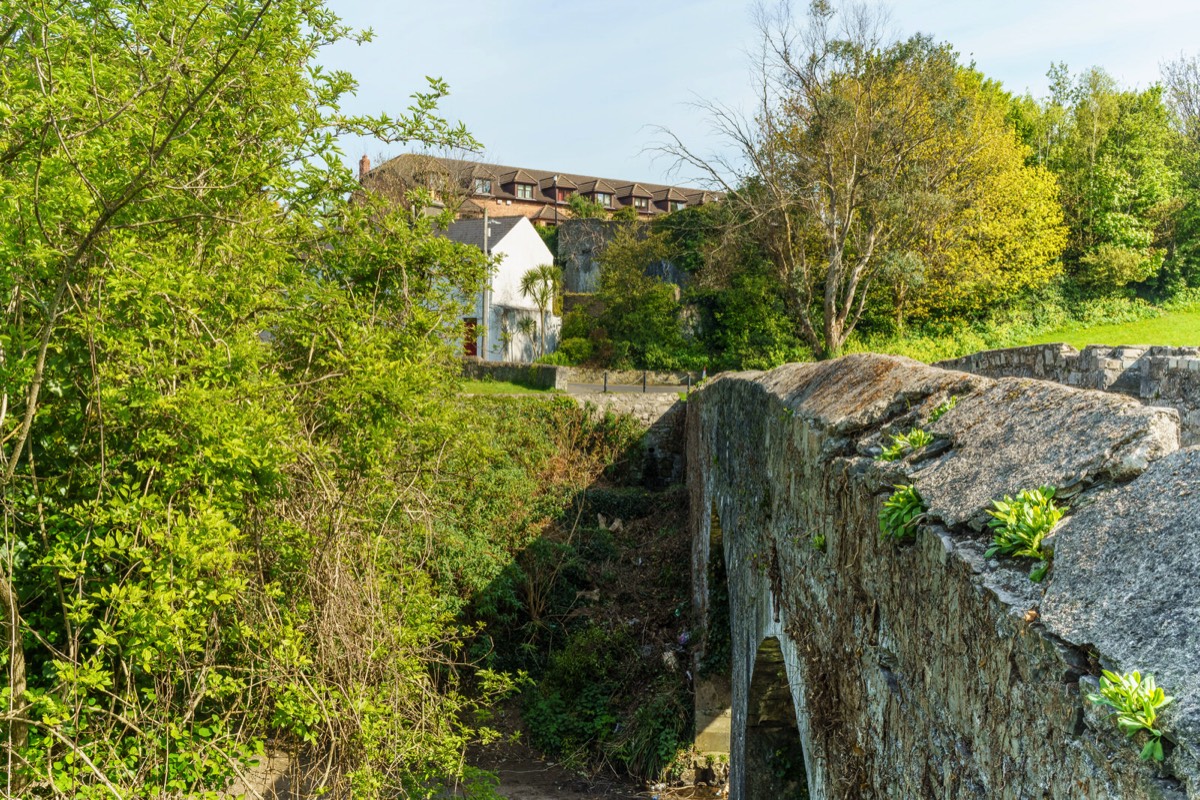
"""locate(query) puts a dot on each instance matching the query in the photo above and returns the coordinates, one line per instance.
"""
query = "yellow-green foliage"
(1136, 702)
(904, 443)
(1020, 524)
(228, 415)
(1000, 232)
(901, 513)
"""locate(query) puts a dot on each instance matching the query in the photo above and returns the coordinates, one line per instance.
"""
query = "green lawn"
(499, 387)
(1175, 328)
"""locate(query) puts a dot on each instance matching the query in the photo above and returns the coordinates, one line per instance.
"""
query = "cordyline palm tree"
(540, 285)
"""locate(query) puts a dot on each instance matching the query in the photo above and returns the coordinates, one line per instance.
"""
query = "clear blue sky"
(577, 86)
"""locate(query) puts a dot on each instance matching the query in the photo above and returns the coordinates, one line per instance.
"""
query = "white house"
(499, 334)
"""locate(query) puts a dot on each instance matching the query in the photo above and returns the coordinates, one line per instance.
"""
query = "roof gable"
(633, 190)
(470, 231)
(517, 176)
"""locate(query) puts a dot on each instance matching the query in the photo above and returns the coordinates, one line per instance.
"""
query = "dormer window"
(564, 195)
(677, 205)
(524, 191)
(641, 203)
(483, 186)
(604, 199)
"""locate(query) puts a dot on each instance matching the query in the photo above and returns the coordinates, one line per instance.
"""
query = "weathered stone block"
(1126, 581)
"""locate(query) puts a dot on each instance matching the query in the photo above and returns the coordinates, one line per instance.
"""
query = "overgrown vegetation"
(605, 649)
(245, 507)
(901, 513)
(1136, 702)
(1020, 524)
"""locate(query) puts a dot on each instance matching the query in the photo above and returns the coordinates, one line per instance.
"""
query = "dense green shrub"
(576, 350)
(572, 710)
(578, 708)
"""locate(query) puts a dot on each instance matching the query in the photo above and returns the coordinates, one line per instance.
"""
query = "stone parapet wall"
(926, 669)
(546, 376)
(632, 377)
(1157, 376)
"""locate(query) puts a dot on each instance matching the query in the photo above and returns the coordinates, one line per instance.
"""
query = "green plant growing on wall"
(1019, 525)
(905, 443)
(901, 513)
(942, 408)
(1136, 702)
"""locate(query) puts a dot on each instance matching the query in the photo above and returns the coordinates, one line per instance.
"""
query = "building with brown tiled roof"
(473, 187)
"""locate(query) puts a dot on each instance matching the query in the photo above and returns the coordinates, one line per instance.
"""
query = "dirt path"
(524, 775)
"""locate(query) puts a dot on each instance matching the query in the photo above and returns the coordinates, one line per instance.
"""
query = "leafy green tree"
(992, 231)
(640, 322)
(583, 208)
(1112, 151)
(734, 302)
(1181, 80)
(223, 411)
(625, 214)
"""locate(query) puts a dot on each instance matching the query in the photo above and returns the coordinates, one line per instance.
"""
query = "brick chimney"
(364, 166)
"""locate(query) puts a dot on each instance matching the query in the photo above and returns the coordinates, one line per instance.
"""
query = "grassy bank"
(499, 387)
(1175, 328)
(1112, 321)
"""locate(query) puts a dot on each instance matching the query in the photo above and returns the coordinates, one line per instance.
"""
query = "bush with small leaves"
(905, 443)
(1136, 702)
(1020, 524)
(901, 513)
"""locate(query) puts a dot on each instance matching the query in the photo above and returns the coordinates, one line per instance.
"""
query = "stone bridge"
(835, 664)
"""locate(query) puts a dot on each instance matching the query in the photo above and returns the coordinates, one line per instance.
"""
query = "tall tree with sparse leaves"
(851, 161)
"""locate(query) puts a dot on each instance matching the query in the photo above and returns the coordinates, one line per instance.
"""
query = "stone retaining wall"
(535, 376)
(631, 377)
(663, 445)
(926, 669)
(1158, 376)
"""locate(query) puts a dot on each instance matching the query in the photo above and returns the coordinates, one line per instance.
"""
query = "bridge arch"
(713, 656)
(775, 758)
